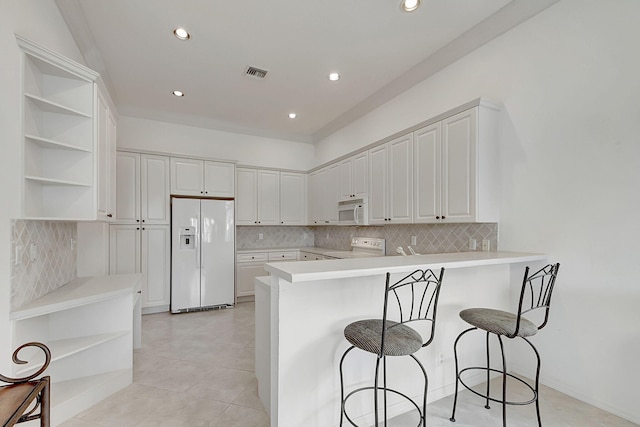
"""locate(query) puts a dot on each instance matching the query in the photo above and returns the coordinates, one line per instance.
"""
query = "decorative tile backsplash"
(248, 237)
(55, 264)
(430, 238)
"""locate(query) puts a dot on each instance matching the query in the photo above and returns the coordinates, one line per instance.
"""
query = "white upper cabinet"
(106, 155)
(353, 176)
(59, 104)
(326, 193)
(258, 197)
(391, 182)
(142, 188)
(456, 160)
(293, 198)
(192, 177)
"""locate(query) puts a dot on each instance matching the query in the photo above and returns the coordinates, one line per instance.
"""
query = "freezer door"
(218, 253)
(185, 254)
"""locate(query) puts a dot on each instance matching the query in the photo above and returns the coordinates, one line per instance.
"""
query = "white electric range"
(362, 247)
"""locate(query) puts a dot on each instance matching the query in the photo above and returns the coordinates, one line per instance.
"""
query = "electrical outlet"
(260, 236)
(486, 245)
(473, 244)
(33, 252)
(414, 240)
(441, 359)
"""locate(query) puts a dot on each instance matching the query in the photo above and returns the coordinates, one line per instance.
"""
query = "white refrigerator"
(202, 254)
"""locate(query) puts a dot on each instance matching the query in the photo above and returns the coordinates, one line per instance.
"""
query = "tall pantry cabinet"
(141, 237)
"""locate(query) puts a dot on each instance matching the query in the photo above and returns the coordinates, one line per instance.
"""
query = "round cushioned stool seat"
(400, 340)
(498, 322)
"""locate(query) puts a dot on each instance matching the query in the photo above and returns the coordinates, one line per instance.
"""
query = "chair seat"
(400, 340)
(498, 322)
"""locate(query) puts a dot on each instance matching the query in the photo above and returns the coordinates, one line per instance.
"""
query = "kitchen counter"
(335, 253)
(303, 307)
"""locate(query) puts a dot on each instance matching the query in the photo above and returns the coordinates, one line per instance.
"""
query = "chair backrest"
(416, 299)
(536, 293)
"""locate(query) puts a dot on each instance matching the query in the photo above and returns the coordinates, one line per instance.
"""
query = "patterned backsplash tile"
(55, 264)
(430, 238)
(248, 237)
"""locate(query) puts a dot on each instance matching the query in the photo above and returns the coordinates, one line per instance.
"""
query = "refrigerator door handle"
(197, 250)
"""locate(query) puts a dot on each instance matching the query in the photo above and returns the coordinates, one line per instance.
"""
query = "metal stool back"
(535, 296)
(413, 299)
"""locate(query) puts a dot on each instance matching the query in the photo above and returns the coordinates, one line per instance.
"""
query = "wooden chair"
(20, 400)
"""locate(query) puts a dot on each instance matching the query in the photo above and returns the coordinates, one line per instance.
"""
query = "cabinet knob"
(110, 215)
(137, 220)
(443, 217)
(137, 228)
(437, 217)
(143, 220)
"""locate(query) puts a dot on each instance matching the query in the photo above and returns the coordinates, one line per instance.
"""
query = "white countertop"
(340, 268)
(83, 290)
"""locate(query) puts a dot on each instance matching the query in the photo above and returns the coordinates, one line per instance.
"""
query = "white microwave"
(353, 212)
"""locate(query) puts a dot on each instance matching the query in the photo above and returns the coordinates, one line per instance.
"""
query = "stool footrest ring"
(382, 389)
(482, 368)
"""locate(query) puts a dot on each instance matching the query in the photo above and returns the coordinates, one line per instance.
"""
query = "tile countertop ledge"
(80, 291)
(341, 268)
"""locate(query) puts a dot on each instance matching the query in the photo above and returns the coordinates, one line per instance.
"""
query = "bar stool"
(535, 295)
(415, 297)
(17, 399)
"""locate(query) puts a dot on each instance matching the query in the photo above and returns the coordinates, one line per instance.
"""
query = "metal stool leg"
(486, 405)
(455, 358)
(504, 383)
(342, 384)
(537, 381)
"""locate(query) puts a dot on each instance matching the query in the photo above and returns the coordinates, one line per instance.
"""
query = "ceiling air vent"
(256, 73)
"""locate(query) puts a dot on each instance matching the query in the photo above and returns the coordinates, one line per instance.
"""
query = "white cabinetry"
(142, 188)
(269, 197)
(354, 177)
(59, 104)
(143, 249)
(106, 156)
(248, 267)
(391, 182)
(192, 177)
(456, 177)
(91, 326)
(325, 193)
(293, 198)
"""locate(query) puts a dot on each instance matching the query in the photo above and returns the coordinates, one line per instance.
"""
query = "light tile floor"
(196, 369)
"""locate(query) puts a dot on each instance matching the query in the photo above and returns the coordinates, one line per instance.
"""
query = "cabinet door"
(106, 151)
(268, 197)
(312, 195)
(332, 181)
(400, 184)
(359, 165)
(346, 179)
(186, 177)
(246, 274)
(219, 179)
(459, 135)
(247, 197)
(377, 185)
(293, 199)
(128, 187)
(124, 249)
(427, 173)
(156, 256)
(154, 182)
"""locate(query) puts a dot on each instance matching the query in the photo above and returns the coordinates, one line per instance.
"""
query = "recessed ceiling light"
(292, 115)
(334, 77)
(410, 5)
(181, 33)
(178, 93)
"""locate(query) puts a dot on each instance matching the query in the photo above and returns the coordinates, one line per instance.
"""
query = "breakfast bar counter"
(303, 307)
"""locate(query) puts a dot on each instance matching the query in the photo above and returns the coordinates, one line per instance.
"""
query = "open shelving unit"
(60, 137)
(91, 326)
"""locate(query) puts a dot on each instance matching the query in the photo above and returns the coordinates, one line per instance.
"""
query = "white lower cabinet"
(248, 267)
(144, 249)
(91, 326)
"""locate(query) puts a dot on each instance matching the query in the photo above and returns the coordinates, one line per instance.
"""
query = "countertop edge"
(78, 292)
(346, 268)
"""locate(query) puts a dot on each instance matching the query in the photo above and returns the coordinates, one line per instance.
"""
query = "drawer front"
(283, 256)
(253, 257)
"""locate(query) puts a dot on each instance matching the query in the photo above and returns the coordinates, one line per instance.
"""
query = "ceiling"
(379, 51)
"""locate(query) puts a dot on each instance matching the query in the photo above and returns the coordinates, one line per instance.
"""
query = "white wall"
(150, 135)
(570, 144)
(39, 21)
